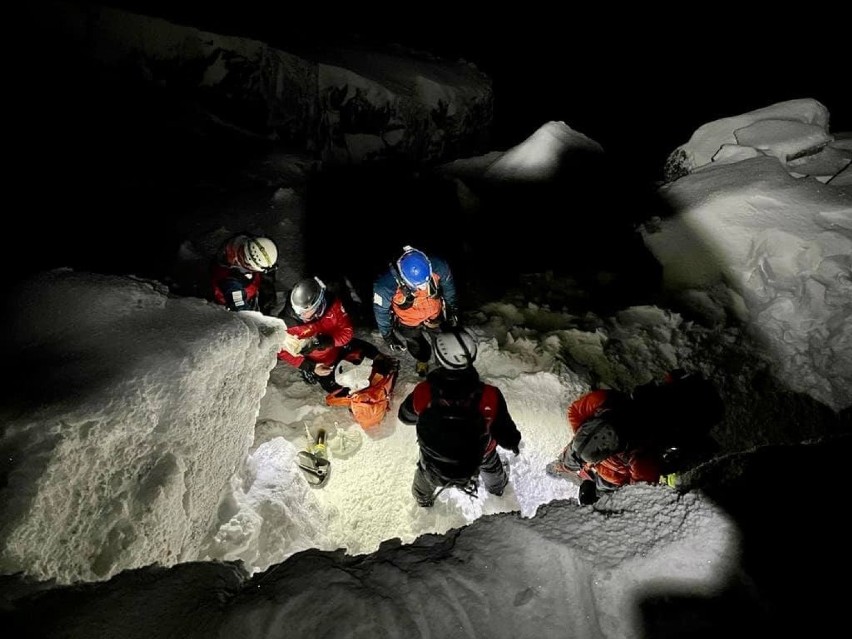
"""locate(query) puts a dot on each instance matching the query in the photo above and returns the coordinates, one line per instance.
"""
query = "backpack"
(453, 434)
(369, 405)
(679, 412)
(597, 438)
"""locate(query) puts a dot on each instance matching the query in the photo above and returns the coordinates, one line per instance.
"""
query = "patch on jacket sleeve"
(377, 299)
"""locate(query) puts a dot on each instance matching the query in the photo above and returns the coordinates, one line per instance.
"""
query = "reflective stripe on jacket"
(234, 288)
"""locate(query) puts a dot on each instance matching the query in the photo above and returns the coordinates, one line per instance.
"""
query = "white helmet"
(259, 254)
(455, 349)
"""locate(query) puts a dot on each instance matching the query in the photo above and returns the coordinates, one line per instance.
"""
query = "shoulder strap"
(435, 288)
(405, 288)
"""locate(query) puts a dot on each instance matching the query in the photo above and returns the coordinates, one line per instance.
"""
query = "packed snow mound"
(125, 463)
(541, 155)
(783, 247)
(795, 132)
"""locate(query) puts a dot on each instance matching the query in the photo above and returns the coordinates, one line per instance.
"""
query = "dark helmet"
(308, 298)
(455, 349)
(596, 440)
(414, 267)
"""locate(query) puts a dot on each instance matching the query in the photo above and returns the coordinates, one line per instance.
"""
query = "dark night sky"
(622, 76)
(639, 86)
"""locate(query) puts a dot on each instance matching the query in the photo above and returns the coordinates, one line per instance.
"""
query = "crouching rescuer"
(460, 422)
(320, 335)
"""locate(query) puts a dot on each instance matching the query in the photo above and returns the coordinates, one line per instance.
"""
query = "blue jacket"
(386, 286)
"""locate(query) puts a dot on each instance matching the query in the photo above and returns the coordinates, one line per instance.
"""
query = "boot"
(588, 493)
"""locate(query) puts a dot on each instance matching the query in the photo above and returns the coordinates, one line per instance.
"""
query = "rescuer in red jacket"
(621, 439)
(320, 334)
(600, 449)
(237, 273)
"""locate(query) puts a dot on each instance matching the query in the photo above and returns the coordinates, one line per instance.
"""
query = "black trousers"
(427, 480)
(418, 340)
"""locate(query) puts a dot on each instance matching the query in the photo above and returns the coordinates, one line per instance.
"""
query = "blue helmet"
(414, 267)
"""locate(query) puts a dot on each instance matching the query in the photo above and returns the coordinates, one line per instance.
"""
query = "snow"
(157, 433)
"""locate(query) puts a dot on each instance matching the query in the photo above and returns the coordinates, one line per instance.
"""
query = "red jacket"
(628, 467)
(235, 288)
(334, 322)
(234, 285)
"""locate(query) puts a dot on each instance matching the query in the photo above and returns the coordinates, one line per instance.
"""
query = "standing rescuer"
(412, 300)
(460, 422)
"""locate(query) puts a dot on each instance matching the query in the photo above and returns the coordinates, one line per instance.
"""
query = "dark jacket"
(389, 299)
(499, 426)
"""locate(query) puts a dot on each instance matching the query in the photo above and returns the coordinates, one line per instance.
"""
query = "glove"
(307, 370)
(517, 449)
(317, 342)
(588, 493)
(452, 316)
(394, 343)
(671, 480)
